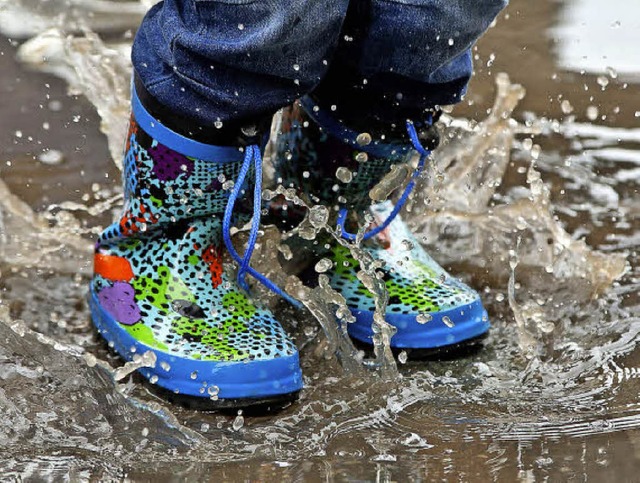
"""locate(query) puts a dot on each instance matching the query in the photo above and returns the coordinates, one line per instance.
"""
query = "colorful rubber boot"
(160, 284)
(318, 155)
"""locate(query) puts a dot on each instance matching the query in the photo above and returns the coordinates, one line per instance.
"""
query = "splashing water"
(101, 73)
(27, 18)
(468, 221)
(559, 364)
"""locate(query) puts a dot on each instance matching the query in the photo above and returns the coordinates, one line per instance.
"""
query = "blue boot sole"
(238, 384)
(465, 323)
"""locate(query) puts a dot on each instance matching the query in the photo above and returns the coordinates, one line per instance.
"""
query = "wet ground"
(552, 396)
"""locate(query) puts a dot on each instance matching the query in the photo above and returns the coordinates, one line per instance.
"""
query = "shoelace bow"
(254, 157)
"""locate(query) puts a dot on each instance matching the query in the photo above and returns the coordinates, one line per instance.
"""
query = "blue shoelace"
(424, 154)
(254, 157)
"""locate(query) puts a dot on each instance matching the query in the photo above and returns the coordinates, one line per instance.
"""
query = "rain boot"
(338, 167)
(161, 288)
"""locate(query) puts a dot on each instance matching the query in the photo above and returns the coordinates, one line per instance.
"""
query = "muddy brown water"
(568, 412)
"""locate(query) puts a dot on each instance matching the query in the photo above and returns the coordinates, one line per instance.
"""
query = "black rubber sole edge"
(459, 350)
(249, 406)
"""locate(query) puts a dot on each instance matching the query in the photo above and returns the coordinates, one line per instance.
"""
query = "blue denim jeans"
(228, 61)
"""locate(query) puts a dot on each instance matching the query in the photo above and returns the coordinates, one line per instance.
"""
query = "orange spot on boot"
(213, 257)
(112, 268)
(133, 129)
(130, 223)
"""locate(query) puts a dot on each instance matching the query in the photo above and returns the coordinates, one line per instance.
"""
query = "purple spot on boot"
(168, 164)
(215, 185)
(118, 300)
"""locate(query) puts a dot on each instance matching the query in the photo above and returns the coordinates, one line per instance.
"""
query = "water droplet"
(344, 174)
(424, 318)
(364, 139)
(603, 81)
(592, 113)
(90, 359)
(542, 462)
(194, 375)
(153, 379)
(51, 157)
(323, 265)
(165, 365)
(55, 106)
(535, 151)
(296, 67)
(145, 432)
(318, 216)
(250, 130)
(500, 297)
(566, 107)
(407, 245)
(228, 185)
(218, 124)
(344, 314)
(240, 26)
(448, 322)
(402, 357)
(238, 422)
(362, 157)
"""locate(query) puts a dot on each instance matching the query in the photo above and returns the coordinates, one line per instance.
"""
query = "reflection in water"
(600, 38)
(552, 396)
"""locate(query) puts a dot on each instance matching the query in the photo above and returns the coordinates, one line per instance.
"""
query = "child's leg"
(234, 61)
(396, 60)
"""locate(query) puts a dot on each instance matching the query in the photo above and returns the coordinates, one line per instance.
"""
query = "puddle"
(534, 203)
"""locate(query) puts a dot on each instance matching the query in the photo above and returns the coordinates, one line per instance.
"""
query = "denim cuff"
(237, 133)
